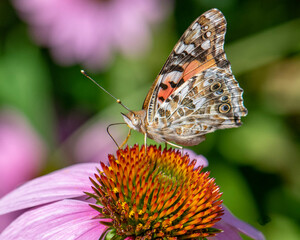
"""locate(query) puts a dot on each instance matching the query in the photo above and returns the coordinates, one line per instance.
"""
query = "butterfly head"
(135, 120)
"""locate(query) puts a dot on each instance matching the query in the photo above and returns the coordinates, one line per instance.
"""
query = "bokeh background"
(51, 116)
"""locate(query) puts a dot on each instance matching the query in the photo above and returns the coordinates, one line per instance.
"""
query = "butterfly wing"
(199, 48)
(208, 101)
(195, 92)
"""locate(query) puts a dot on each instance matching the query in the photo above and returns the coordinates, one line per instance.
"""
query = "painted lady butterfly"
(195, 93)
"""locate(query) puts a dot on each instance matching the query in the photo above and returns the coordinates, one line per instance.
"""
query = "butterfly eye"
(224, 108)
(135, 121)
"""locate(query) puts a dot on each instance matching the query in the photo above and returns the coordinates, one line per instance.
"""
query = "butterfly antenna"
(118, 100)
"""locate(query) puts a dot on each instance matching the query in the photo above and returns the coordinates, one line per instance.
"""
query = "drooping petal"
(69, 182)
(201, 160)
(67, 219)
(229, 233)
(231, 227)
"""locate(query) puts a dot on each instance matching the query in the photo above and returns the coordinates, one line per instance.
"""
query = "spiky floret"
(158, 195)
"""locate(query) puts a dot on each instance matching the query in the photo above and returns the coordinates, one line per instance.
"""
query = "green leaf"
(268, 46)
(25, 83)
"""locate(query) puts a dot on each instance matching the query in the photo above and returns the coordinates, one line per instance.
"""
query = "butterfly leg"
(145, 143)
(174, 145)
(126, 139)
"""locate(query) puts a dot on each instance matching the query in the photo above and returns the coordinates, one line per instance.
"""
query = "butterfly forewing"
(199, 48)
(195, 92)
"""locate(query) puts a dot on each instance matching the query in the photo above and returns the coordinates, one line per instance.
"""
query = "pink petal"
(201, 160)
(67, 219)
(22, 150)
(229, 233)
(6, 219)
(66, 183)
(232, 225)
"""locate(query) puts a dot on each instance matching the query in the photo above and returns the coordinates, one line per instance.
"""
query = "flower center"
(157, 196)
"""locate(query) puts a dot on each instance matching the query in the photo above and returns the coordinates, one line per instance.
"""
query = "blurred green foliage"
(257, 165)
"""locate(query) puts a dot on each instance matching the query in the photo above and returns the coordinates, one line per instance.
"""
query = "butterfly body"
(195, 93)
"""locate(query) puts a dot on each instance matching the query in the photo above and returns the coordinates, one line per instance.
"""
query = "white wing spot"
(197, 34)
(180, 47)
(196, 25)
(205, 45)
(190, 48)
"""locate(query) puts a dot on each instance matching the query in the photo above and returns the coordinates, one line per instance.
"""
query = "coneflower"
(158, 195)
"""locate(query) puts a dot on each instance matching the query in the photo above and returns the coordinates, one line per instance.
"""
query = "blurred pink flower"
(92, 143)
(60, 216)
(87, 140)
(89, 31)
(22, 154)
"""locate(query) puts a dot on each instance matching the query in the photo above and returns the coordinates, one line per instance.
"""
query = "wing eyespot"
(135, 121)
(215, 87)
(224, 108)
(225, 98)
(220, 92)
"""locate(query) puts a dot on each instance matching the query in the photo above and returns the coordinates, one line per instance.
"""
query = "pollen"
(157, 195)
(131, 214)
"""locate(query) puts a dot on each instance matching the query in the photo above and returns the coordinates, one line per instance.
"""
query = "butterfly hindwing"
(209, 101)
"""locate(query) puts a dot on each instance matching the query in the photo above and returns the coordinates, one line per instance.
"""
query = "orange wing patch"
(190, 70)
(166, 89)
(196, 67)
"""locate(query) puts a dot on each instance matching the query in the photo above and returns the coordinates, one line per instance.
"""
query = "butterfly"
(195, 92)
